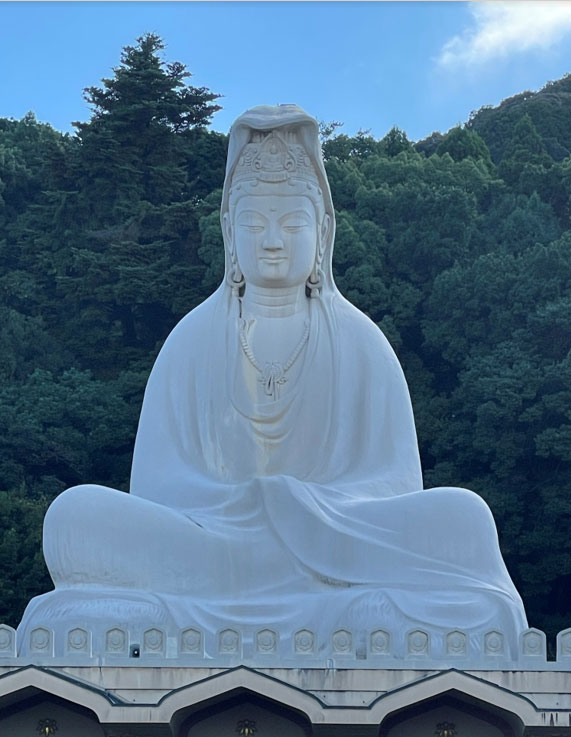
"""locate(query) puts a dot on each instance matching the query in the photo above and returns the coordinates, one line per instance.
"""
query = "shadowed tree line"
(458, 247)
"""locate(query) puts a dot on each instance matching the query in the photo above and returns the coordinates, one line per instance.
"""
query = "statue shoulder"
(361, 335)
(195, 325)
(189, 338)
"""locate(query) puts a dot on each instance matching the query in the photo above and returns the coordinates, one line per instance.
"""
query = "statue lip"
(273, 259)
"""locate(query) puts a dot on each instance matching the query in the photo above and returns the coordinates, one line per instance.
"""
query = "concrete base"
(133, 701)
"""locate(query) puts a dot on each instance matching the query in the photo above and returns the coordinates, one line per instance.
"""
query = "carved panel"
(380, 642)
(41, 641)
(417, 643)
(456, 643)
(153, 642)
(342, 641)
(191, 641)
(266, 641)
(7, 641)
(304, 641)
(116, 641)
(228, 642)
(533, 643)
(78, 641)
(493, 643)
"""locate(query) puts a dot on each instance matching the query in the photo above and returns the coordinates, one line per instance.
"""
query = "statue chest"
(272, 353)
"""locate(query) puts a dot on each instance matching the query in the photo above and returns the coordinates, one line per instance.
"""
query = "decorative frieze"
(533, 644)
(154, 642)
(116, 642)
(267, 641)
(456, 643)
(380, 647)
(7, 641)
(78, 642)
(191, 642)
(380, 643)
(494, 643)
(229, 642)
(342, 642)
(417, 643)
(304, 642)
(42, 641)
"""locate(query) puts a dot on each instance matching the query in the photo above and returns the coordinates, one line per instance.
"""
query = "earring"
(314, 283)
(236, 281)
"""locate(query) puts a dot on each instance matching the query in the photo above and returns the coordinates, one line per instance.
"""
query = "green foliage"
(24, 573)
(60, 430)
(100, 254)
(396, 141)
(458, 247)
(461, 143)
(469, 275)
(548, 110)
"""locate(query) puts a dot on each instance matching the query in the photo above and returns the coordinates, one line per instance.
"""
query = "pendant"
(272, 376)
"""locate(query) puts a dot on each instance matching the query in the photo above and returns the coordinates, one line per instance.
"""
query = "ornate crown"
(273, 158)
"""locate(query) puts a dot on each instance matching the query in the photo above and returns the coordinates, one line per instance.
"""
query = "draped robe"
(301, 512)
(305, 511)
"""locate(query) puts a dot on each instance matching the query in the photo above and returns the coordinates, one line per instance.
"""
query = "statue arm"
(164, 459)
(382, 437)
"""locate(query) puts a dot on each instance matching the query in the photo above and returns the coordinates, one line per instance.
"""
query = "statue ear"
(314, 283)
(325, 227)
(227, 231)
(235, 277)
(323, 237)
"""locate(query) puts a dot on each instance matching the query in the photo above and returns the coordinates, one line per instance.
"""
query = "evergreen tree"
(524, 156)
(461, 143)
(396, 141)
(134, 142)
(141, 176)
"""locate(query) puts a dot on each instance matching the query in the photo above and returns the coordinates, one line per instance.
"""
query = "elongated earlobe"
(235, 277)
(314, 283)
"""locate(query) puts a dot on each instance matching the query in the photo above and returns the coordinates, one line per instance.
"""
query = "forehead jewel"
(274, 157)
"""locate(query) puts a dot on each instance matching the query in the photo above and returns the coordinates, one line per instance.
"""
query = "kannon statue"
(276, 477)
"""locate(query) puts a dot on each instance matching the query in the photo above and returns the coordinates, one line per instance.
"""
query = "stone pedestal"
(138, 699)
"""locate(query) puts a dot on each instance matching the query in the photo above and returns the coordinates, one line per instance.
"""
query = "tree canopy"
(458, 247)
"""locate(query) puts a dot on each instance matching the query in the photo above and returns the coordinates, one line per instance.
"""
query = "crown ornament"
(273, 158)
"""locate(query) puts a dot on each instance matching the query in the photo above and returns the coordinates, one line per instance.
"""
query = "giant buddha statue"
(276, 478)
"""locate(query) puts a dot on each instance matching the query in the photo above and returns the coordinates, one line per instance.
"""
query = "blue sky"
(422, 66)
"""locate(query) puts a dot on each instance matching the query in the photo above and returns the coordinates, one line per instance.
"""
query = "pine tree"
(134, 144)
(140, 180)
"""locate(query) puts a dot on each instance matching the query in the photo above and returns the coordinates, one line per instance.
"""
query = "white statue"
(276, 478)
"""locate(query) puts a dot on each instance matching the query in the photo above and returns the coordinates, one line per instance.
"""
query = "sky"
(422, 66)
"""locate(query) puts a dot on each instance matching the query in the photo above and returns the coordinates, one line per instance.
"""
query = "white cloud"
(501, 29)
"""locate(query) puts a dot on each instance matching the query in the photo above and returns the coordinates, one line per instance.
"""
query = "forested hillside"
(458, 247)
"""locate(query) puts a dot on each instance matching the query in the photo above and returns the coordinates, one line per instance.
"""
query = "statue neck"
(274, 302)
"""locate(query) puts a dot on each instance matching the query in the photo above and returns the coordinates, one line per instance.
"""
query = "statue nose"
(273, 240)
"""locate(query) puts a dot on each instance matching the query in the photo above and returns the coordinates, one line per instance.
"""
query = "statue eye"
(252, 227)
(294, 227)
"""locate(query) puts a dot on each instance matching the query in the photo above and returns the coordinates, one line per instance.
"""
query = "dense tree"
(549, 110)
(469, 278)
(461, 143)
(23, 570)
(99, 257)
(458, 247)
(396, 141)
(144, 164)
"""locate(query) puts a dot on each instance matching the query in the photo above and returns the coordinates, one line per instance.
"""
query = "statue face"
(275, 237)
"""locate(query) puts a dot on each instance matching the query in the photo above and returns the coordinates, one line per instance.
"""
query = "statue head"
(277, 215)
